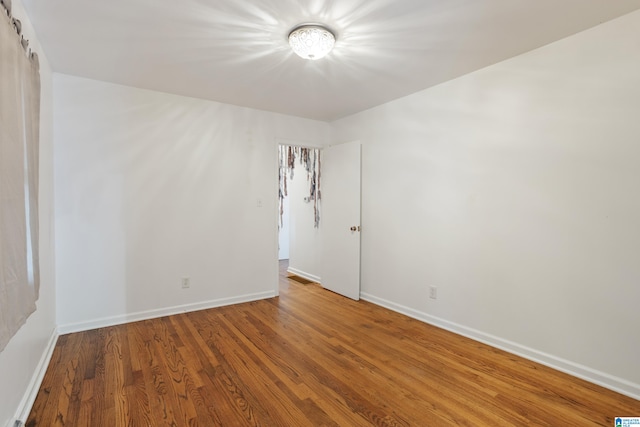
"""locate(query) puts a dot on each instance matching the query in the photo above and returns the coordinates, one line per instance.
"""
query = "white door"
(340, 220)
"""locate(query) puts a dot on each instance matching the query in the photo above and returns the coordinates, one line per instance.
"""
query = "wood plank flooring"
(306, 358)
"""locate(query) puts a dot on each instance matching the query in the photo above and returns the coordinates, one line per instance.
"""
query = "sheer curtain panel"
(19, 136)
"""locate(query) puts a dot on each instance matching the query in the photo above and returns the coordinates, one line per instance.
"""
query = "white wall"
(305, 240)
(514, 190)
(151, 188)
(21, 360)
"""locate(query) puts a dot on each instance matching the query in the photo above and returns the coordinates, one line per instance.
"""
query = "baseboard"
(304, 274)
(603, 379)
(34, 385)
(152, 314)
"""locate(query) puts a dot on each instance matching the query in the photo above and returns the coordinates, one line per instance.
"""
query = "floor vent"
(300, 279)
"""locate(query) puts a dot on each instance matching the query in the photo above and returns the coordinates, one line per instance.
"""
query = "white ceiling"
(236, 52)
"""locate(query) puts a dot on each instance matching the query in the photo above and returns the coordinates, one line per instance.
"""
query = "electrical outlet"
(433, 292)
(186, 282)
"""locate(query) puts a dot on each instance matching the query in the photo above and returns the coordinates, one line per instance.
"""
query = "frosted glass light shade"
(311, 41)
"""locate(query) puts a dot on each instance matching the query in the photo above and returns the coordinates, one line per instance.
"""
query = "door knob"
(354, 228)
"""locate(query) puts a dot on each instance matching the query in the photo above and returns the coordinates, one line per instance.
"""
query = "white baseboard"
(304, 274)
(603, 379)
(34, 385)
(168, 311)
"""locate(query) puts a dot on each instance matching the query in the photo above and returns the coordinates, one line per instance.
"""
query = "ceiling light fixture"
(311, 41)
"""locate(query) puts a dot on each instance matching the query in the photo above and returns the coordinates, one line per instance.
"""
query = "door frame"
(293, 143)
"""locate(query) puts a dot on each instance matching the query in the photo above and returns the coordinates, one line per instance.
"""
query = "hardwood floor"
(307, 358)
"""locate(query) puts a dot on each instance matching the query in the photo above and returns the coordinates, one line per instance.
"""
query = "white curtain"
(19, 135)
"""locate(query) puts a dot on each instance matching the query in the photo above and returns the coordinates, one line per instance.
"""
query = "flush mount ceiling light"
(311, 41)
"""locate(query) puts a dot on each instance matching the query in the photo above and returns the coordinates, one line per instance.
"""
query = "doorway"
(299, 238)
(333, 247)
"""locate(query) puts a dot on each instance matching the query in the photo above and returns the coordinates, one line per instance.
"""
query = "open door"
(340, 219)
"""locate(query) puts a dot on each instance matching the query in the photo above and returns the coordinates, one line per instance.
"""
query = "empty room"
(353, 213)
